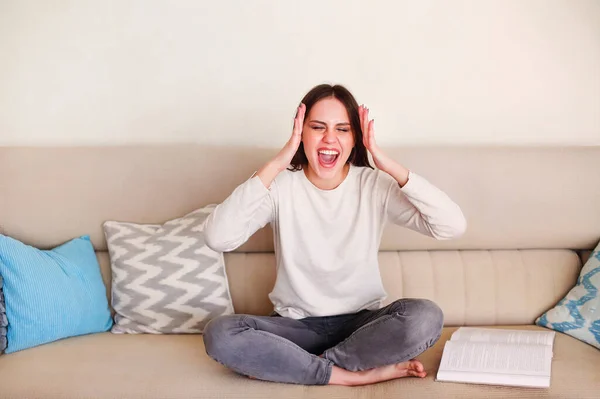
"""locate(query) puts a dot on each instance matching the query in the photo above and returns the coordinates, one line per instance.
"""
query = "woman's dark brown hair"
(359, 155)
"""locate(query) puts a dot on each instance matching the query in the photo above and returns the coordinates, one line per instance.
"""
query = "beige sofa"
(532, 214)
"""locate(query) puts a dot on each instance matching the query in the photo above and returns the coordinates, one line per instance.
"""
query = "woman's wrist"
(398, 172)
(269, 172)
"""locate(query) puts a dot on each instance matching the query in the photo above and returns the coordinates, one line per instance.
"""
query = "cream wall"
(232, 72)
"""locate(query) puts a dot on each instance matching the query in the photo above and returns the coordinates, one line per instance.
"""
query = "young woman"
(327, 212)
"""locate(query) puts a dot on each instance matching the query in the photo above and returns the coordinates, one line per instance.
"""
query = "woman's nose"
(330, 136)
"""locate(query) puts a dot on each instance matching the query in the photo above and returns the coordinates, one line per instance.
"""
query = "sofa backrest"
(513, 197)
(527, 208)
(473, 287)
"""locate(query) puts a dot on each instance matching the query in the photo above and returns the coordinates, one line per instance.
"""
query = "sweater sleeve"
(422, 207)
(232, 222)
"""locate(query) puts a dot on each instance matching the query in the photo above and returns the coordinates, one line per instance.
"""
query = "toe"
(419, 374)
(417, 365)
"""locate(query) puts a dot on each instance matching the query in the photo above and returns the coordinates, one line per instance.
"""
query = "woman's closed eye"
(340, 129)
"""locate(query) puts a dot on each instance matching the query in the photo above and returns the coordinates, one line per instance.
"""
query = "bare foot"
(411, 368)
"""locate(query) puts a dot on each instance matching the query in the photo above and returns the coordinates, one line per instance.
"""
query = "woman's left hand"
(381, 160)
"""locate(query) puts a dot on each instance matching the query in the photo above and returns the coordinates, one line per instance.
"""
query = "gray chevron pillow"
(164, 277)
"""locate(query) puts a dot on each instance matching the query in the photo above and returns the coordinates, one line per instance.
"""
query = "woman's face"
(328, 141)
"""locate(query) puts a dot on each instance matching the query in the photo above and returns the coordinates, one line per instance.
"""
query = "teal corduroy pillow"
(51, 294)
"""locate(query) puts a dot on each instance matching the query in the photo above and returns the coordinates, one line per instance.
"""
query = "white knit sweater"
(327, 241)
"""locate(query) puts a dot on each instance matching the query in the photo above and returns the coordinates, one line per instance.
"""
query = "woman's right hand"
(286, 154)
(282, 160)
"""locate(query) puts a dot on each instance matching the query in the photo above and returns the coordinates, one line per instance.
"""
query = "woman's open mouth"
(328, 158)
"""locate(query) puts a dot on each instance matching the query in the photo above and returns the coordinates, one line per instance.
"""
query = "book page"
(535, 360)
(517, 337)
(495, 379)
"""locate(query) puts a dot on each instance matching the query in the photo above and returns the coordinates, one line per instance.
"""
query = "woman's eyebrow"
(337, 124)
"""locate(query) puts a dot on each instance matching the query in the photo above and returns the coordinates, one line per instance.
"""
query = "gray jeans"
(282, 349)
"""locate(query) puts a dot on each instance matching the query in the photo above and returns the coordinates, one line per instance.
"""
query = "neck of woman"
(326, 183)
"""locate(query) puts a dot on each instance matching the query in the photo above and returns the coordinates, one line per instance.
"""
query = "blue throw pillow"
(578, 313)
(51, 294)
(3, 320)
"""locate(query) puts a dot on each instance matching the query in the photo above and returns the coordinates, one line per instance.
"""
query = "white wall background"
(232, 72)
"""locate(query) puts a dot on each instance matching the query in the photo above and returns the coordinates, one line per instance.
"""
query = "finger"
(371, 131)
(301, 119)
(362, 127)
(360, 115)
(365, 126)
(295, 129)
(298, 120)
(302, 113)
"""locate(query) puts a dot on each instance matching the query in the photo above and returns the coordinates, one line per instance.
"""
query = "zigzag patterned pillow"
(578, 313)
(165, 278)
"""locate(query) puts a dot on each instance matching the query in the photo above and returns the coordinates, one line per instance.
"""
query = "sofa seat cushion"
(107, 365)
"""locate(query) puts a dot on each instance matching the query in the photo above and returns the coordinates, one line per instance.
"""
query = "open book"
(498, 357)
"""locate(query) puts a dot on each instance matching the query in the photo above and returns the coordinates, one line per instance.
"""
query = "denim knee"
(217, 336)
(428, 317)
